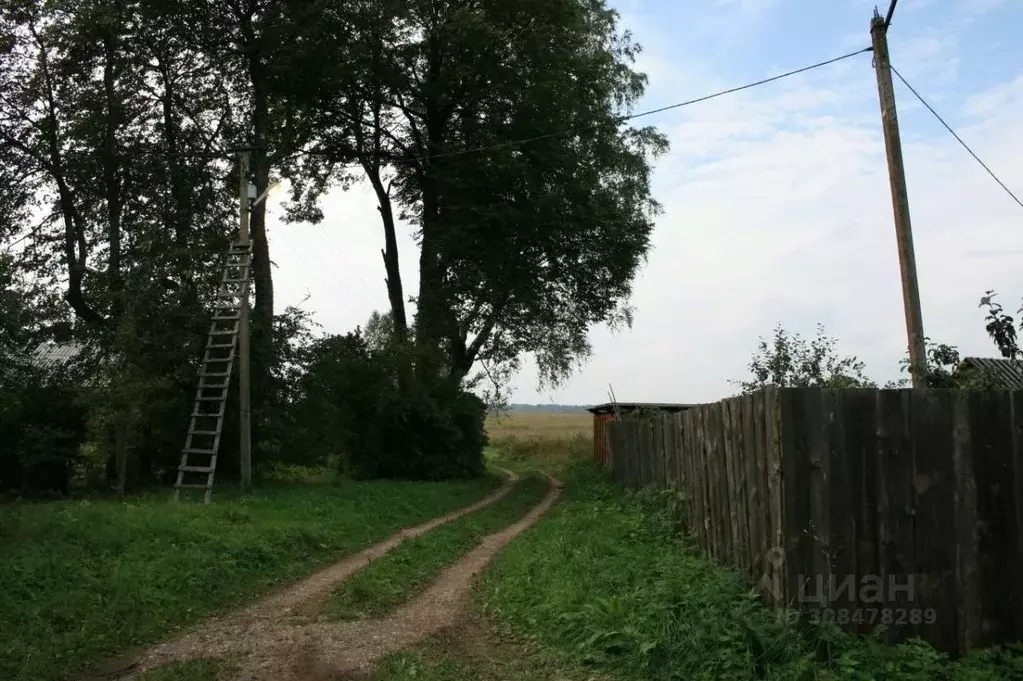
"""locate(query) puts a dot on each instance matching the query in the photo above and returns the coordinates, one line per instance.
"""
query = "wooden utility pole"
(244, 363)
(900, 200)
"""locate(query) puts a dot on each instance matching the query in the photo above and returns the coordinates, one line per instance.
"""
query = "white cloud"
(777, 209)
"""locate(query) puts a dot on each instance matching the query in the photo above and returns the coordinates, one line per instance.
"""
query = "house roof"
(48, 356)
(1006, 373)
(52, 355)
(610, 407)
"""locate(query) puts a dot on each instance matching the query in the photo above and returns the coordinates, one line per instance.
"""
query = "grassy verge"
(605, 582)
(81, 581)
(398, 575)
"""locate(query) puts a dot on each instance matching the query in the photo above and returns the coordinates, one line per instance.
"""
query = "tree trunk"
(121, 452)
(75, 247)
(263, 312)
(112, 175)
(395, 290)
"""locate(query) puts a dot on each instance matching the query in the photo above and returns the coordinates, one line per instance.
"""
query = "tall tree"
(522, 246)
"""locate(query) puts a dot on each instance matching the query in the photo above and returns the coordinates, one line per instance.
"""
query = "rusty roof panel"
(1007, 373)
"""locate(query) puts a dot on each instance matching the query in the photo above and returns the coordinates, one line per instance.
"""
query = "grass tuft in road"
(81, 581)
(475, 651)
(190, 670)
(397, 576)
(605, 581)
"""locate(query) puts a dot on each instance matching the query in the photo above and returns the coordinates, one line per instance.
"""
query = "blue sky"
(776, 199)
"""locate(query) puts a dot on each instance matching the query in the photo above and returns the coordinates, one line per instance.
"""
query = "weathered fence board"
(731, 485)
(860, 416)
(898, 507)
(776, 490)
(754, 512)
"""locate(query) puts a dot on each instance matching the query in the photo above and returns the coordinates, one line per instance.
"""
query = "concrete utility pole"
(900, 200)
(244, 362)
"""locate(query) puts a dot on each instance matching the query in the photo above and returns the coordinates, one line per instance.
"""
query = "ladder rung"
(243, 280)
(205, 433)
(198, 485)
(209, 415)
(214, 386)
(223, 332)
(196, 469)
(194, 450)
(201, 398)
(214, 374)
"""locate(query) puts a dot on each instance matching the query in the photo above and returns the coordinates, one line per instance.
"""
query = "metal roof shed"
(608, 413)
(1006, 374)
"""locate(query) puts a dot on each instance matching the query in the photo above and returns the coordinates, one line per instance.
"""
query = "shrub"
(349, 403)
(42, 428)
(425, 433)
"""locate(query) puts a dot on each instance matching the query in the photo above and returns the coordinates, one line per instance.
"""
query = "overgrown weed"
(607, 581)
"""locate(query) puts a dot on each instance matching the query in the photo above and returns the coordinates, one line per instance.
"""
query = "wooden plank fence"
(902, 507)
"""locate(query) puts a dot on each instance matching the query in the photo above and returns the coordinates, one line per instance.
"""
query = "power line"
(891, 11)
(958, 138)
(619, 119)
(8, 247)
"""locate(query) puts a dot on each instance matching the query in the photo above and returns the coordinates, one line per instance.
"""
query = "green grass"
(81, 581)
(415, 665)
(398, 575)
(190, 670)
(435, 665)
(605, 582)
(551, 453)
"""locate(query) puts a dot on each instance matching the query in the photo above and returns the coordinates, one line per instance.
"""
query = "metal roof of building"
(609, 407)
(49, 356)
(53, 355)
(1006, 373)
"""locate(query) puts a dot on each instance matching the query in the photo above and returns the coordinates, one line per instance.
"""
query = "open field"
(545, 440)
(81, 581)
(552, 425)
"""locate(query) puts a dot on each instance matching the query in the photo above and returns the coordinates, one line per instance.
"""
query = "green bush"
(42, 428)
(425, 433)
(349, 404)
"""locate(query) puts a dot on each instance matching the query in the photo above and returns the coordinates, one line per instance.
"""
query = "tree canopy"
(497, 130)
(788, 360)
